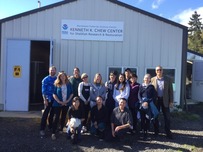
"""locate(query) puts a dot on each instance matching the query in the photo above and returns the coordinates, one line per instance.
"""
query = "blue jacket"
(58, 93)
(48, 87)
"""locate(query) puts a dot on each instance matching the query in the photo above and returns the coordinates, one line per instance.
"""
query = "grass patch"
(189, 147)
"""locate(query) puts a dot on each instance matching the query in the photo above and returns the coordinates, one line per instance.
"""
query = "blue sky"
(179, 11)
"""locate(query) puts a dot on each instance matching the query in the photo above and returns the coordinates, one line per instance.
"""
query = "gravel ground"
(22, 135)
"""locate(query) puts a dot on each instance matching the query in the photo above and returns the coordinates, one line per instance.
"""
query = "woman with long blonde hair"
(63, 94)
(97, 89)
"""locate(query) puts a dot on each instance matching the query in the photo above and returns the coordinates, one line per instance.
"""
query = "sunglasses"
(158, 69)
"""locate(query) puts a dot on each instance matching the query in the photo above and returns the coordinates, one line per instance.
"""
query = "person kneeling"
(98, 118)
(121, 120)
(75, 117)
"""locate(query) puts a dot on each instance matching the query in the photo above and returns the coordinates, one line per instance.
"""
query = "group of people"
(116, 105)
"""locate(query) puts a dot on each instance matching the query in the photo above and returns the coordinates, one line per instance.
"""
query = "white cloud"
(184, 16)
(156, 4)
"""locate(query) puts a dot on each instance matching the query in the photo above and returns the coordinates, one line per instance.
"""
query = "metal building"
(94, 35)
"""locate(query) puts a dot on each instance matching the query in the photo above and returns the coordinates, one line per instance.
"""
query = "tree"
(195, 33)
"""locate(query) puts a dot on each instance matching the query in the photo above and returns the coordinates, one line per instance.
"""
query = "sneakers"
(42, 133)
(84, 129)
(53, 137)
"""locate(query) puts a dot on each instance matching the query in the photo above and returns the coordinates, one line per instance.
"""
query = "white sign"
(91, 30)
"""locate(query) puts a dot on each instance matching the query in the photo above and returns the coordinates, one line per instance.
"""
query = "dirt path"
(22, 134)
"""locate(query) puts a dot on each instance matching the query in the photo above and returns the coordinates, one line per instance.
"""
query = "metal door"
(17, 75)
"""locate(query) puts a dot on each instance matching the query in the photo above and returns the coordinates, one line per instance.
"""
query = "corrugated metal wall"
(148, 42)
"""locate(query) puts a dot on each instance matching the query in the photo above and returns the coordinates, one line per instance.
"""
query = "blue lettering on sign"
(64, 32)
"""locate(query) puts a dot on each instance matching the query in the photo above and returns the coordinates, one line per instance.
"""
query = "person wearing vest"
(84, 95)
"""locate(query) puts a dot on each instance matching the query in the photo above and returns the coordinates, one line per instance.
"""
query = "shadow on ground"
(22, 134)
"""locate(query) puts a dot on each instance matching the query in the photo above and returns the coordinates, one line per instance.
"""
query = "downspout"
(183, 101)
(1, 61)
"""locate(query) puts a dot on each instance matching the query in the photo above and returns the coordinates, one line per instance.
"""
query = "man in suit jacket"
(163, 86)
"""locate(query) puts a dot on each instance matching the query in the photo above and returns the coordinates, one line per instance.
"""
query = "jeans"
(47, 111)
(101, 128)
(78, 130)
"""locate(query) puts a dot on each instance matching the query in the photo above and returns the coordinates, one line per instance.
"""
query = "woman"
(84, 94)
(97, 89)
(121, 90)
(133, 101)
(63, 94)
(75, 111)
(146, 94)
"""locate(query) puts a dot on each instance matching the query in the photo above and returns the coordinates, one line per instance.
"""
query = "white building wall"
(148, 42)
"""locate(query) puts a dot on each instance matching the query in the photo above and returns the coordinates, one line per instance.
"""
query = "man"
(98, 118)
(121, 120)
(75, 80)
(163, 86)
(110, 102)
(47, 94)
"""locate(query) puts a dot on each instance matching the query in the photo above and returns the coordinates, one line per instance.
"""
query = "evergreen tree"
(195, 34)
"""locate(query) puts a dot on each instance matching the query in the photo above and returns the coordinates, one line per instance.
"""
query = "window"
(168, 72)
(120, 70)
